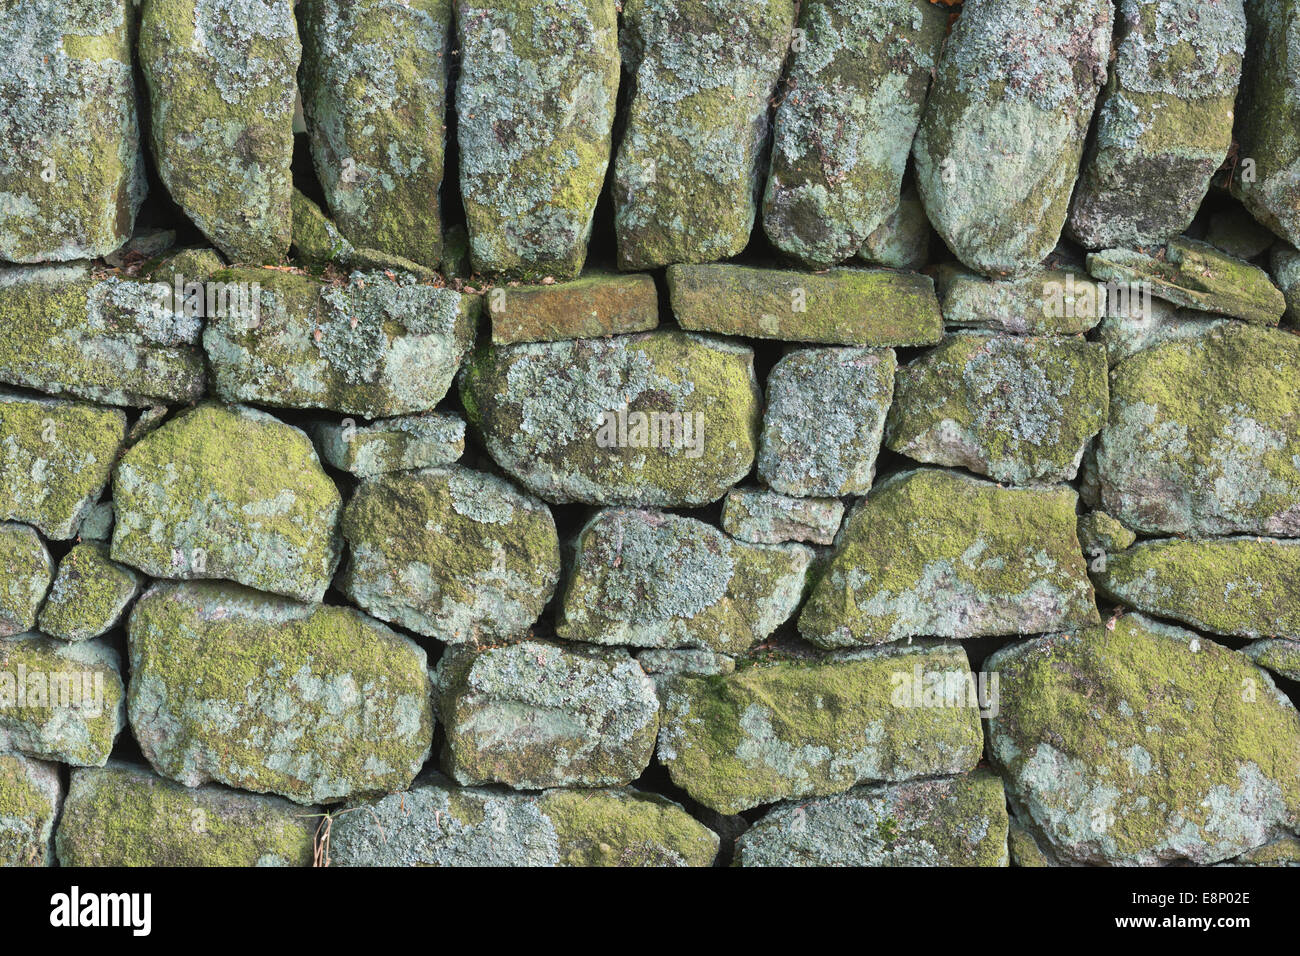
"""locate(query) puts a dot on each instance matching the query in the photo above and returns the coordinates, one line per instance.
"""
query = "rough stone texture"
(89, 594)
(1019, 409)
(25, 574)
(790, 729)
(30, 796)
(534, 715)
(1243, 587)
(379, 346)
(1144, 745)
(596, 304)
(824, 421)
(222, 77)
(1164, 121)
(184, 512)
(1024, 849)
(686, 176)
(317, 704)
(374, 92)
(1098, 531)
(1203, 435)
(903, 240)
(1050, 301)
(1126, 332)
(316, 240)
(450, 553)
(857, 83)
(436, 823)
(649, 579)
(395, 444)
(535, 102)
(663, 667)
(123, 815)
(869, 307)
(72, 168)
(952, 821)
(1284, 263)
(1284, 851)
(1282, 657)
(60, 701)
(571, 420)
(1234, 231)
(999, 145)
(55, 459)
(934, 552)
(764, 517)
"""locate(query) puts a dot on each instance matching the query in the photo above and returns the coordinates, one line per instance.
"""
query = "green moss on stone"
(89, 594)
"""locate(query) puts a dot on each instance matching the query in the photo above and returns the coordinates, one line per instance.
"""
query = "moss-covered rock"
(1284, 851)
(1280, 656)
(72, 167)
(765, 517)
(664, 666)
(123, 815)
(55, 459)
(686, 176)
(25, 574)
(374, 93)
(1203, 435)
(868, 307)
(1017, 408)
(1126, 332)
(660, 418)
(648, 579)
(1100, 533)
(935, 552)
(534, 715)
(30, 796)
(89, 595)
(314, 703)
(788, 729)
(1024, 849)
(857, 84)
(903, 240)
(379, 346)
(316, 240)
(999, 145)
(594, 305)
(394, 444)
(824, 421)
(1047, 301)
(60, 701)
(222, 77)
(1284, 264)
(951, 821)
(228, 492)
(1144, 744)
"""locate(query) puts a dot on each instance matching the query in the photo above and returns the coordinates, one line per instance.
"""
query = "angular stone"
(316, 240)
(661, 418)
(69, 331)
(938, 553)
(595, 305)
(868, 307)
(374, 93)
(857, 84)
(394, 444)
(1282, 657)
(89, 595)
(1019, 409)
(534, 715)
(1198, 276)
(1235, 232)
(1284, 851)
(663, 667)
(222, 78)
(1127, 332)
(1099, 532)
(55, 459)
(903, 240)
(824, 421)
(686, 173)
(314, 703)
(98, 523)
(1024, 848)
(1203, 436)
(436, 823)
(30, 796)
(1144, 745)
(1284, 262)
(952, 821)
(25, 574)
(764, 517)
(377, 347)
(791, 729)
(1164, 121)
(648, 579)
(450, 553)
(1048, 301)
(71, 168)
(123, 815)
(1243, 587)
(60, 701)
(228, 492)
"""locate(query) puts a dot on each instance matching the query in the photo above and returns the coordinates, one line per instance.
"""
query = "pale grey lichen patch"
(26, 570)
(394, 444)
(1280, 656)
(765, 517)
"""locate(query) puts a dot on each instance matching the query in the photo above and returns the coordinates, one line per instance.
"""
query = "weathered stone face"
(25, 574)
(30, 796)
(1041, 302)
(764, 517)
(450, 553)
(314, 703)
(71, 167)
(534, 715)
(1144, 745)
(89, 594)
(1282, 657)
(661, 419)
(123, 815)
(395, 444)
(594, 305)
(184, 512)
(903, 240)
